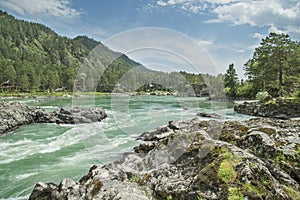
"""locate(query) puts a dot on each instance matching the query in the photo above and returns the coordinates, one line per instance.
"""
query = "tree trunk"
(280, 80)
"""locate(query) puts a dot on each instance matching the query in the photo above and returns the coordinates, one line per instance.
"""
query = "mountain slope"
(34, 57)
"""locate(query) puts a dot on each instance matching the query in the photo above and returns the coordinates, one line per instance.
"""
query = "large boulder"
(15, 114)
(77, 115)
(254, 159)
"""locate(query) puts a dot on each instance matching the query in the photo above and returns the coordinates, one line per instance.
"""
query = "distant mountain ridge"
(33, 57)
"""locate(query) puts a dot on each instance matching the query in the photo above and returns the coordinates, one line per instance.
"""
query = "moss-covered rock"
(254, 159)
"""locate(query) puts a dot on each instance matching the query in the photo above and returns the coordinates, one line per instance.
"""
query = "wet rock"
(209, 115)
(14, 115)
(79, 115)
(254, 159)
(44, 191)
(144, 148)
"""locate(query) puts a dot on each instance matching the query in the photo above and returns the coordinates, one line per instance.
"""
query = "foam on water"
(49, 152)
(23, 176)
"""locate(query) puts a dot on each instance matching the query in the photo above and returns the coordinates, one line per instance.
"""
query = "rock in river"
(79, 115)
(15, 114)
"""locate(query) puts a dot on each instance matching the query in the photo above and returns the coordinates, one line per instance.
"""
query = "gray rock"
(277, 108)
(14, 115)
(79, 115)
(254, 159)
(209, 115)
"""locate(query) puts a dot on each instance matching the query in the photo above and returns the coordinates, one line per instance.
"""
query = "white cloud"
(161, 3)
(240, 51)
(40, 8)
(274, 29)
(221, 1)
(172, 2)
(283, 14)
(278, 15)
(257, 35)
(205, 43)
(258, 13)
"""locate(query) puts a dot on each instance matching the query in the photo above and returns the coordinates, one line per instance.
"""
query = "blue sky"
(228, 30)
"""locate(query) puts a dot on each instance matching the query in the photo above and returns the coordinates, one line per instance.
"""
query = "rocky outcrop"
(79, 115)
(254, 159)
(276, 108)
(14, 115)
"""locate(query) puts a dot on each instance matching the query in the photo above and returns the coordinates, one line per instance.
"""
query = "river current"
(50, 152)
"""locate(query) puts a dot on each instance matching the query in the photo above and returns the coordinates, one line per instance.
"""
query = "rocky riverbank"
(14, 115)
(276, 108)
(254, 159)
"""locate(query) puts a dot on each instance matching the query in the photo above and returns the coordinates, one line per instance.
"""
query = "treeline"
(35, 58)
(273, 70)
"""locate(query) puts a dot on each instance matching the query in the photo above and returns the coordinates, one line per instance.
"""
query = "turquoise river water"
(50, 152)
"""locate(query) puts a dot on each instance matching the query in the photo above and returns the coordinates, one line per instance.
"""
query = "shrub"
(296, 94)
(262, 96)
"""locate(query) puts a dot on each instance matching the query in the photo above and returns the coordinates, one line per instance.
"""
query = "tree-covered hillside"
(33, 57)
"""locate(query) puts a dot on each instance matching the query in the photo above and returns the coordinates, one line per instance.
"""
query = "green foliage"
(231, 81)
(235, 194)
(296, 94)
(249, 188)
(135, 179)
(298, 150)
(34, 58)
(246, 90)
(294, 194)
(275, 66)
(226, 171)
(29, 51)
(262, 96)
(89, 43)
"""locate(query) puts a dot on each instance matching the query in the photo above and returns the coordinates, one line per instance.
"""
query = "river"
(50, 152)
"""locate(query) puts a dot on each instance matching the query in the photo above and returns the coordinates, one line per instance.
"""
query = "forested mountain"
(34, 58)
(87, 42)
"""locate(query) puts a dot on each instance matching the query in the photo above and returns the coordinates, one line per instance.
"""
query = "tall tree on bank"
(271, 65)
(231, 82)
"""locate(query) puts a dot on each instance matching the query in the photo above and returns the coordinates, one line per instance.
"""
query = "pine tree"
(231, 81)
(269, 68)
